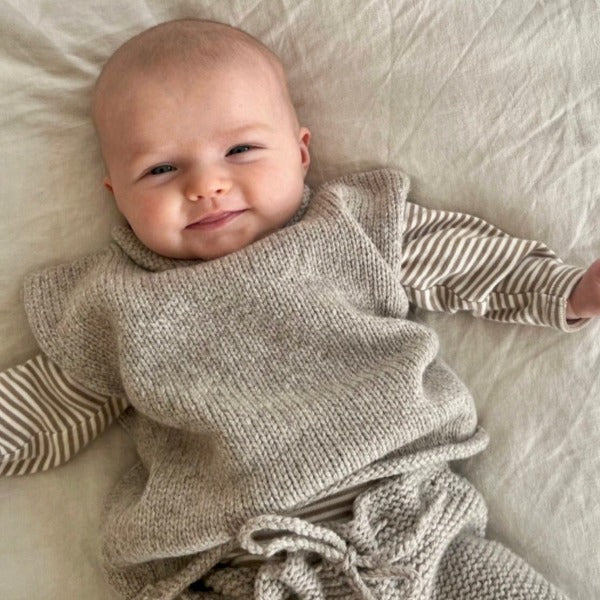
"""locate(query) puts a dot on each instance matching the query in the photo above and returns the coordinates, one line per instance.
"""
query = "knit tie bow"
(303, 542)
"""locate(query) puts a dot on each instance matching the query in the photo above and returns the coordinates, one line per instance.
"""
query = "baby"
(293, 425)
(209, 122)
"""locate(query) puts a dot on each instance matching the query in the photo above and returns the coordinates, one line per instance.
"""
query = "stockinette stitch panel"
(259, 381)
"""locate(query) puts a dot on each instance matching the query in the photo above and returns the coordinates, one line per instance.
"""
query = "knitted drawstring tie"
(301, 541)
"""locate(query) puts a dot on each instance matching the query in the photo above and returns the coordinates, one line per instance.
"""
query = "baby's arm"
(46, 417)
(457, 262)
(584, 301)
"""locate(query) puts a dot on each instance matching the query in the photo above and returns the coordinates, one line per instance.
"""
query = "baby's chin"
(211, 251)
(209, 246)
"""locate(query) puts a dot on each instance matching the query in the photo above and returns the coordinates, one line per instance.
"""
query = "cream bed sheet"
(492, 106)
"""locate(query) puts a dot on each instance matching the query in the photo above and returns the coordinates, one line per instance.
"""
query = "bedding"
(491, 107)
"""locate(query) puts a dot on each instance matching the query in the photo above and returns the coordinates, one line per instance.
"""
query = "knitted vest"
(259, 381)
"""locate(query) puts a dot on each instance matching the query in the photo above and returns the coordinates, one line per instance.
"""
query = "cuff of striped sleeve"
(46, 417)
(562, 285)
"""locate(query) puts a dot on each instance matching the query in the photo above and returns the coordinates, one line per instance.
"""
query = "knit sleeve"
(46, 417)
(457, 262)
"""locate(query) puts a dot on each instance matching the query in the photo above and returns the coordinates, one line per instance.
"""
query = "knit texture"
(259, 381)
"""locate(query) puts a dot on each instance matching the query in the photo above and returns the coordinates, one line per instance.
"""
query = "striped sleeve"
(457, 262)
(46, 417)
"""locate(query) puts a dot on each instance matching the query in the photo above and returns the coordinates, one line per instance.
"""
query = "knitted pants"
(417, 536)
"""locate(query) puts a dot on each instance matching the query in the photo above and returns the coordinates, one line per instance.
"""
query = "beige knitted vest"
(259, 381)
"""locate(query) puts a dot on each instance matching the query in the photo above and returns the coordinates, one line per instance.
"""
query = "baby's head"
(203, 150)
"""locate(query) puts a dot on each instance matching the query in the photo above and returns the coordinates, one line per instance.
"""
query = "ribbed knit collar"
(124, 237)
(306, 196)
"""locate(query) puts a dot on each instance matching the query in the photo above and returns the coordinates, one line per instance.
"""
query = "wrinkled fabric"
(492, 105)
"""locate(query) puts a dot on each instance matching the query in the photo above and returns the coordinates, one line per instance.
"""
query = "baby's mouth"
(216, 220)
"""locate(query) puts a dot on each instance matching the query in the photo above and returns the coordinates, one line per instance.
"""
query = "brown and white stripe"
(456, 262)
(46, 417)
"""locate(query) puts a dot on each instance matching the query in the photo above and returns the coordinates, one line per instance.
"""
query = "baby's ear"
(304, 142)
(107, 184)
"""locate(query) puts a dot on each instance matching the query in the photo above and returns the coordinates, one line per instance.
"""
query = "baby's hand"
(584, 301)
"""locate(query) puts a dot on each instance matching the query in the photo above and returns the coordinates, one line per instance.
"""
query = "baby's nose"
(206, 185)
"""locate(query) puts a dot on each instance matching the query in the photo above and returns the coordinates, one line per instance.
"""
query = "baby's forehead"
(177, 84)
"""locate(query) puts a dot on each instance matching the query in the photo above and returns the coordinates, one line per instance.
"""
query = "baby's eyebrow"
(143, 151)
(250, 128)
(143, 147)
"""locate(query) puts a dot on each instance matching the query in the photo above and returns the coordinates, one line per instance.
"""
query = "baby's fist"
(584, 301)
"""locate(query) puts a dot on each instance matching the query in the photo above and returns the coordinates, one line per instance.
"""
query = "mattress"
(492, 107)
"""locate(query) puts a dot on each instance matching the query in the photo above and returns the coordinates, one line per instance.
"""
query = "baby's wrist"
(570, 313)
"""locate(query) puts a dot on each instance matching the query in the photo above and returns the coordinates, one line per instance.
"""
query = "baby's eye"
(161, 169)
(239, 149)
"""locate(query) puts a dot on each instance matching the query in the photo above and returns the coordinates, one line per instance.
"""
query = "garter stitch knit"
(259, 381)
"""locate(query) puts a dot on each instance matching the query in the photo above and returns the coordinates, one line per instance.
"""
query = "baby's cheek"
(153, 224)
(155, 213)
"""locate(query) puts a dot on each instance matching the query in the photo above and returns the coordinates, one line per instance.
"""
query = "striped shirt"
(451, 262)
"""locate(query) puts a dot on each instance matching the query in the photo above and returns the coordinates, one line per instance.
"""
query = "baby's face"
(201, 165)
